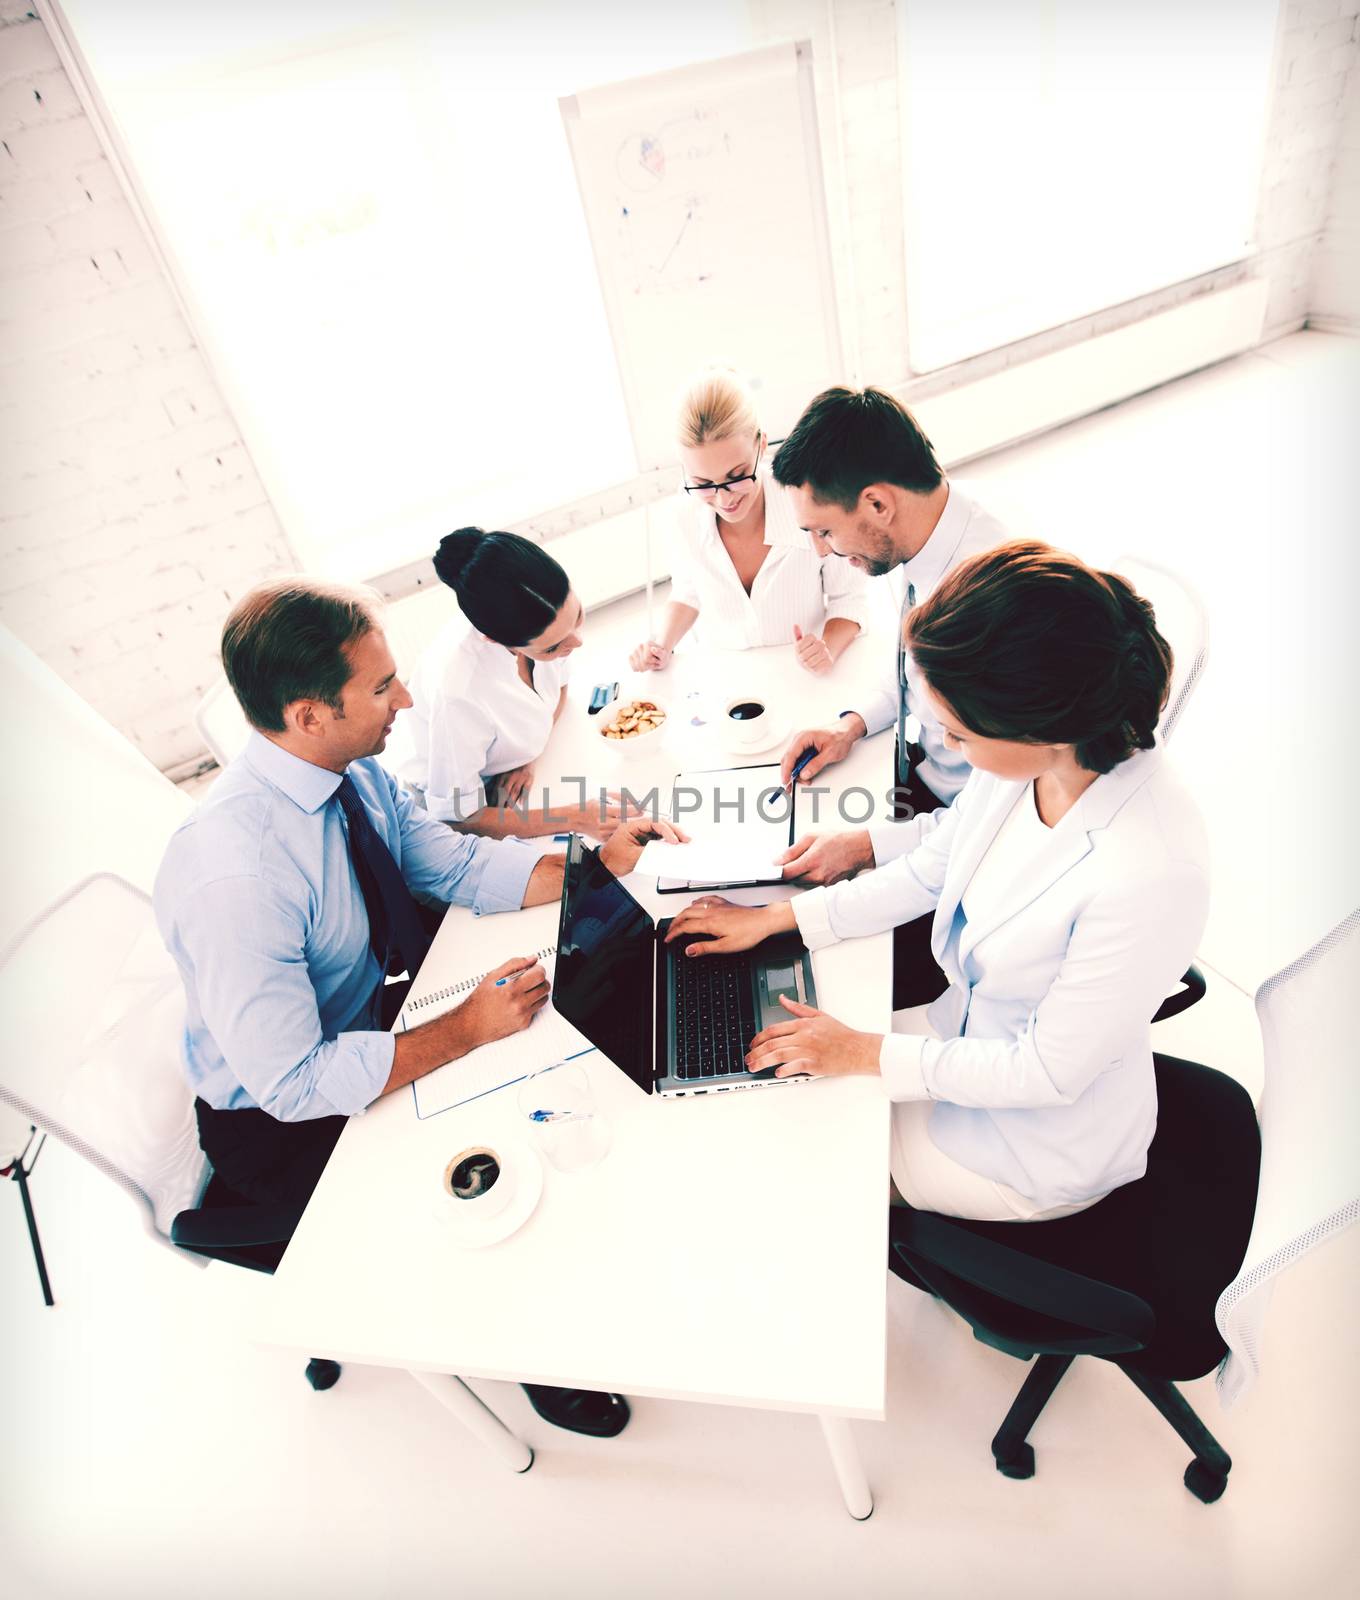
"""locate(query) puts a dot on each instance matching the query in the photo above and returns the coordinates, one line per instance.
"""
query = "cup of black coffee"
(747, 722)
(474, 1181)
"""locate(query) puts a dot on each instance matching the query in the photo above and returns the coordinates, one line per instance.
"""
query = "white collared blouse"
(795, 585)
(473, 718)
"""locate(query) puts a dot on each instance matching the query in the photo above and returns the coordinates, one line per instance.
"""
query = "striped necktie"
(395, 930)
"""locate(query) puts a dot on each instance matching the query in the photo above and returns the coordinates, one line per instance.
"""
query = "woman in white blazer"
(1069, 884)
(488, 690)
(742, 570)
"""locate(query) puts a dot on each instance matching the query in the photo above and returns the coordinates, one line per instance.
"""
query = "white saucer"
(776, 734)
(523, 1170)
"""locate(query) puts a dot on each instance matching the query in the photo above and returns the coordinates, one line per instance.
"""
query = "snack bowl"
(632, 723)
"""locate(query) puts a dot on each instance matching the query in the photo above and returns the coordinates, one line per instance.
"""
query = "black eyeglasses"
(706, 491)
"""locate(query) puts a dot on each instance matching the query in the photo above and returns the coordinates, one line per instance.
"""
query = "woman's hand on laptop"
(719, 928)
(624, 846)
(810, 1041)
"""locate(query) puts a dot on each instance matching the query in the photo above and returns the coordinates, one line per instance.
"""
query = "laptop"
(676, 1025)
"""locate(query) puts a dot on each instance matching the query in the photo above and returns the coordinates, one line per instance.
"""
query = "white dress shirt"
(795, 585)
(473, 718)
(964, 530)
(1042, 1071)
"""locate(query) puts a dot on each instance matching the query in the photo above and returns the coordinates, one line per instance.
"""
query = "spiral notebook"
(490, 1066)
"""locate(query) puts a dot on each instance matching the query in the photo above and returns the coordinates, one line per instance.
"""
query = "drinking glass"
(559, 1107)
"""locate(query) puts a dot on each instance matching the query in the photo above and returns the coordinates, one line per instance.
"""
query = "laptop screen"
(605, 980)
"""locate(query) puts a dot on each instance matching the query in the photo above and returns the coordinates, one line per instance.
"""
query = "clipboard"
(746, 782)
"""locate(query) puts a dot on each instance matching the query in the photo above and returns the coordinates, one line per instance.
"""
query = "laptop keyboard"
(715, 1018)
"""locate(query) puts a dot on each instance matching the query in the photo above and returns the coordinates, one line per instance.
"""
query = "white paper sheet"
(738, 819)
(724, 855)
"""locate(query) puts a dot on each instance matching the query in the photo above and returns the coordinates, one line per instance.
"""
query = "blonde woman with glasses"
(741, 568)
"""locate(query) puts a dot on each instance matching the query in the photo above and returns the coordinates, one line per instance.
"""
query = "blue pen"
(801, 762)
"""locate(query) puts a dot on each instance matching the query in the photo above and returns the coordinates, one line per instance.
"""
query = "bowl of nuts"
(632, 725)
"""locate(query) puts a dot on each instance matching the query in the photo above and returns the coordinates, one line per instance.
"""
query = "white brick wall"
(1335, 298)
(130, 514)
(1316, 49)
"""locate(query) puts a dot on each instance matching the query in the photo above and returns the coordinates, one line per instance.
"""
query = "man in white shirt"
(864, 481)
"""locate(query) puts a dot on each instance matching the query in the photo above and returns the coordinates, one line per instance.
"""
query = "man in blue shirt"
(286, 901)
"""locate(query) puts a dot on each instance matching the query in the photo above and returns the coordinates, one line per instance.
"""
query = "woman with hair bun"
(489, 689)
(741, 567)
(1069, 885)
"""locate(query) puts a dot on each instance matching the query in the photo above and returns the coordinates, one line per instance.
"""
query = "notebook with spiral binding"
(417, 1010)
(548, 1039)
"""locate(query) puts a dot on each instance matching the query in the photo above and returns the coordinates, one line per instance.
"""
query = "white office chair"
(94, 1014)
(1182, 622)
(221, 723)
(1310, 1137)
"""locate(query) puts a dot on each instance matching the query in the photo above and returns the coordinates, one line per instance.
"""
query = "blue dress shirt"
(258, 903)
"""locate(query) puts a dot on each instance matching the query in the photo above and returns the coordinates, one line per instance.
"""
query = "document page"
(548, 1039)
(739, 820)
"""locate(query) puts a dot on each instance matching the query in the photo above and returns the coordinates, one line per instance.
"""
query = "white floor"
(149, 1454)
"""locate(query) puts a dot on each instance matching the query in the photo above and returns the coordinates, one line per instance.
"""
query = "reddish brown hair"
(1028, 643)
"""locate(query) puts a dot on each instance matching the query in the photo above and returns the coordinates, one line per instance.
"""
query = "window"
(372, 213)
(1061, 156)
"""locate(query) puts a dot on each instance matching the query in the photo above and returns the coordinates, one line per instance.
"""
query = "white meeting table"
(730, 1248)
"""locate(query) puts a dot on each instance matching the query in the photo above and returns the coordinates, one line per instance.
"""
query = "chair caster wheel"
(1020, 1465)
(1204, 1483)
(322, 1374)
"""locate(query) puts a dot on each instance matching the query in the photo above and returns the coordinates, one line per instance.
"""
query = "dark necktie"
(909, 754)
(394, 927)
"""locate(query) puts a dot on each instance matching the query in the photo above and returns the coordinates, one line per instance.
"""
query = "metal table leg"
(849, 1472)
(477, 1417)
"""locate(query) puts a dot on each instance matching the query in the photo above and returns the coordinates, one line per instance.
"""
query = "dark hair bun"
(1142, 678)
(456, 553)
(508, 587)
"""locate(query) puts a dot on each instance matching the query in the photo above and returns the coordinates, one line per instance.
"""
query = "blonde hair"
(715, 404)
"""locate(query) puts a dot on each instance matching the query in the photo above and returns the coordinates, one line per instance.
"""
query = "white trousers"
(931, 1181)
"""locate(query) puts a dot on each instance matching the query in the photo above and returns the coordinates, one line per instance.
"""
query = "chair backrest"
(1310, 1135)
(94, 1022)
(1182, 622)
(221, 723)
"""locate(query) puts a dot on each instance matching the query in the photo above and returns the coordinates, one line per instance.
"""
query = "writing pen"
(801, 762)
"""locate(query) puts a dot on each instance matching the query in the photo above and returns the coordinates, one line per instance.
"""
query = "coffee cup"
(476, 1182)
(748, 722)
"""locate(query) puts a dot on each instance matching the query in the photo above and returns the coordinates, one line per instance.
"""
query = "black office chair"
(224, 1227)
(1132, 1279)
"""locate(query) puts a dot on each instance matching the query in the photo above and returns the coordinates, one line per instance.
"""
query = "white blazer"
(1043, 1066)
